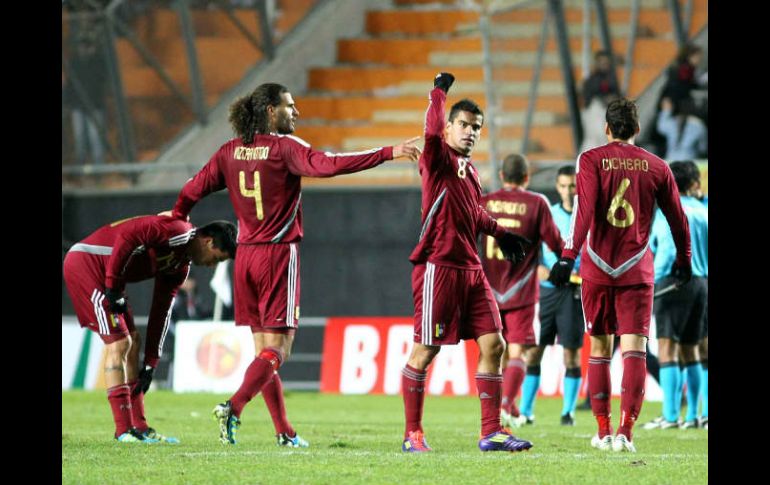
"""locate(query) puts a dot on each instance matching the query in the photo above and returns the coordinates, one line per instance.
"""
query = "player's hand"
(561, 271)
(443, 81)
(176, 216)
(116, 300)
(682, 274)
(513, 246)
(408, 149)
(145, 378)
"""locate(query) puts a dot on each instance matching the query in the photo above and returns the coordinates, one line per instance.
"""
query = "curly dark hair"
(248, 115)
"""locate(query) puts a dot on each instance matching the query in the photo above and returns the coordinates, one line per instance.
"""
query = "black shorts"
(561, 313)
(681, 315)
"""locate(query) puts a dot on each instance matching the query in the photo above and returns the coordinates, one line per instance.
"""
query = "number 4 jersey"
(264, 182)
(617, 187)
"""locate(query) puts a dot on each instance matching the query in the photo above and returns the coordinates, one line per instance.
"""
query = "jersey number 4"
(255, 192)
(619, 202)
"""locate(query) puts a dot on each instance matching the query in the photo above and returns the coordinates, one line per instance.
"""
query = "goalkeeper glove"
(443, 81)
(561, 271)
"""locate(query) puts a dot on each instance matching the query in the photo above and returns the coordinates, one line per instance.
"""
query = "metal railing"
(93, 82)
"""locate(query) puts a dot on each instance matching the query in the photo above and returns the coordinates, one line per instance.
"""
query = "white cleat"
(621, 443)
(604, 444)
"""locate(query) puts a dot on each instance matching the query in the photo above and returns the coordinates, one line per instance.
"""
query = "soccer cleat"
(522, 420)
(704, 422)
(568, 420)
(604, 444)
(415, 443)
(503, 441)
(691, 424)
(507, 420)
(134, 436)
(621, 443)
(152, 434)
(660, 423)
(283, 439)
(228, 422)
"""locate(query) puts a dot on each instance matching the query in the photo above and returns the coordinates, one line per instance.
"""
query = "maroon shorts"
(266, 287)
(84, 278)
(452, 304)
(617, 310)
(519, 325)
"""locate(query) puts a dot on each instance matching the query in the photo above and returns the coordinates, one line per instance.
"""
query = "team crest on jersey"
(439, 330)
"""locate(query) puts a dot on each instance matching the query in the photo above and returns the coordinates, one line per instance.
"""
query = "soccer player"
(516, 287)
(262, 168)
(452, 298)
(618, 185)
(560, 314)
(680, 315)
(96, 271)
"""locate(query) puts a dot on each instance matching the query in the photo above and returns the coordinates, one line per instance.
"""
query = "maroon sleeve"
(166, 288)
(549, 231)
(209, 179)
(584, 207)
(488, 224)
(434, 127)
(142, 231)
(303, 160)
(670, 204)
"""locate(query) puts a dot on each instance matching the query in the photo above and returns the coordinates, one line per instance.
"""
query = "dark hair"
(248, 115)
(685, 173)
(566, 170)
(224, 235)
(515, 168)
(623, 118)
(684, 53)
(465, 105)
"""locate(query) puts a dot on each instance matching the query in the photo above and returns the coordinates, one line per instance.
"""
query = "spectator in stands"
(85, 92)
(685, 133)
(599, 88)
(681, 78)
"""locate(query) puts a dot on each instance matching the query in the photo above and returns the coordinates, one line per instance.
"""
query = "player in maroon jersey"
(263, 169)
(452, 298)
(516, 287)
(618, 185)
(96, 271)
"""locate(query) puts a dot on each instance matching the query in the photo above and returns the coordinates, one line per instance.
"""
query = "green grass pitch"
(357, 439)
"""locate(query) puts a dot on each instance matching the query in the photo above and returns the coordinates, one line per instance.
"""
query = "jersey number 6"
(256, 192)
(617, 202)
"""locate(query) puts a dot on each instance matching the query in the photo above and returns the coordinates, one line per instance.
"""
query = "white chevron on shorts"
(292, 286)
(427, 304)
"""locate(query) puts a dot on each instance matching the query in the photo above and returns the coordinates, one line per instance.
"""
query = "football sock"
(599, 388)
(693, 390)
(137, 407)
(631, 390)
(120, 403)
(413, 389)
(489, 387)
(272, 393)
(257, 374)
(512, 377)
(669, 382)
(529, 390)
(571, 389)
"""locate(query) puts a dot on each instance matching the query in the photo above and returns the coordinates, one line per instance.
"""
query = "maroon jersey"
(617, 187)
(137, 249)
(527, 214)
(451, 191)
(264, 182)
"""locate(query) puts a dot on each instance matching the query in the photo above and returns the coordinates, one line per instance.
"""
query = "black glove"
(561, 271)
(682, 274)
(117, 301)
(145, 378)
(443, 81)
(512, 245)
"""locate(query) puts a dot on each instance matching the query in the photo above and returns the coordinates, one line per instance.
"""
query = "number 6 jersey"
(617, 187)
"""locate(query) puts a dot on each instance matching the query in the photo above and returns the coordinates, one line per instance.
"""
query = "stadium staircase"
(377, 93)
(224, 56)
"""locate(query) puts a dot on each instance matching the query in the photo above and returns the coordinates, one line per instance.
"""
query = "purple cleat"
(415, 443)
(503, 441)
